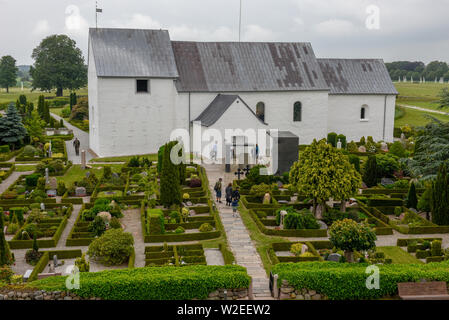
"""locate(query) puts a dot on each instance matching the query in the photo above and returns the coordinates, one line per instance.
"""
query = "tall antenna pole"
(240, 20)
(96, 14)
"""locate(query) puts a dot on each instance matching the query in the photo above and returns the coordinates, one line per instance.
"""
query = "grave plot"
(292, 252)
(79, 188)
(425, 249)
(141, 171)
(46, 222)
(31, 153)
(6, 169)
(178, 255)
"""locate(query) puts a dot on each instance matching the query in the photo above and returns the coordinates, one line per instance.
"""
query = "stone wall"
(231, 294)
(287, 292)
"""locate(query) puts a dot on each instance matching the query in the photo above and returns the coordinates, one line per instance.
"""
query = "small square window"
(142, 86)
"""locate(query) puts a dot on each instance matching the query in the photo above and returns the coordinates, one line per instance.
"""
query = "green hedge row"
(347, 281)
(153, 283)
(385, 202)
(404, 242)
(388, 191)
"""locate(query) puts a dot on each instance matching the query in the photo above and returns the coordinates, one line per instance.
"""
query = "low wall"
(287, 292)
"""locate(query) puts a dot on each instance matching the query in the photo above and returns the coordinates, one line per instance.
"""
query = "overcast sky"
(404, 30)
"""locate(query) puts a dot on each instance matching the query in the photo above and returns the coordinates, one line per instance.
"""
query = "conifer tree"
(40, 106)
(35, 126)
(47, 117)
(439, 202)
(12, 130)
(170, 187)
(370, 172)
(412, 200)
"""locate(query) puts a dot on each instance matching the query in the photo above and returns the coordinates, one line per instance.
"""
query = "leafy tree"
(12, 130)
(5, 253)
(439, 202)
(35, 126)
(114, 247)
(398, 150)
(80, 111)
(431, 150)
(350, 236)
(371, 171)
(322, 172)
(58, 64)
(424, 201)
(387, 164)
(412, 200)
(170, 181)
(8, 72)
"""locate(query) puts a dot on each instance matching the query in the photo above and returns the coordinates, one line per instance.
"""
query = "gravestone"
(83, 159)
(322, 224)
(266, 198)
(51, 193)
(55, 261)
(46, 175)
(339, 144)
(304, 248)
(386, 181)
(80, 192)
(334, 257)
(42, 206)
(283, 213)
(53, 183)
(362, 149)
(384, 147)
(87, 174)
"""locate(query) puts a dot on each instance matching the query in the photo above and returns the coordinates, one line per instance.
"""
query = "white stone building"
(142, 86)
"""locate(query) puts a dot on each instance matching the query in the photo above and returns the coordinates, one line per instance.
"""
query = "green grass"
(24, 168)
(75, 173)
(422, 90)
(417, 118)
(14, 94)
(57, 111)
(398, 255)
(151, 156)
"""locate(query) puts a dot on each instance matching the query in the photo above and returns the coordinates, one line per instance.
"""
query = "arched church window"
(260, 111)
(297, 111)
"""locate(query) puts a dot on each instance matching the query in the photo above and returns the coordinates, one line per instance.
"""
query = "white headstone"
(339, 144)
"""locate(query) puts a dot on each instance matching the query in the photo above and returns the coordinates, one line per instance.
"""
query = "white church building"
(142, 86)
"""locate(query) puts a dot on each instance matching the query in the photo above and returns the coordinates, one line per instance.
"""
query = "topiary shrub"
(61, 188)
(155, 224)
(31, 180)
(115, 223)
(180, 230)
(355, 161)
(29, 151)
(398, 150)
(435, 249)
(82, 264)
(332, 139)
(206, 227)
(97, 227)
(114, 247)
(296, 248)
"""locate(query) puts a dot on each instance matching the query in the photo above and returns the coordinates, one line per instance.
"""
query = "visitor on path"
(217, 189)
(235, 204)
(257, 152)
(229, 194)
(236, 194)
(77, 144)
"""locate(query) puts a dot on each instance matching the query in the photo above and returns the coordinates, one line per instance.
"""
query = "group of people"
(232, 196)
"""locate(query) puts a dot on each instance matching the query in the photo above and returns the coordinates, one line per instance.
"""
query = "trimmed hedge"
(153, 283)
(404, 242)
(385, 202)
(61, 254)
(347, 281)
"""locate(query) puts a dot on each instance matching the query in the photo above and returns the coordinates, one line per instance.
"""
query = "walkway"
(423, 109)
(241, 245)
(132, 224)
(11, 179)
(82, 136)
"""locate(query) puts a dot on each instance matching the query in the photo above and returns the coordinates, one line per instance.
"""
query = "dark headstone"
(334, 257)
(386, 181)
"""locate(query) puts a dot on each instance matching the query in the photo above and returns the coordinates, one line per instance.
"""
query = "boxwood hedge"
(153, 283)
(347, 281)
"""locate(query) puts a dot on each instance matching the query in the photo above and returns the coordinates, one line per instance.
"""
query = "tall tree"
(443, 98)
(12, 130)
(8, 72)
(412, 200)
(439, 201)
(46, 112)
(41, 106)
(35, 126)
(322, 172)
(170, 182)
(58, 64)
(370, 172)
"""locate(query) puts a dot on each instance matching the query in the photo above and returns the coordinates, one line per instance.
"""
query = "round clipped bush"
(186, 196)
(115, 223)
(206, 227)
(179, 230)
(114, 247)
(29, 151)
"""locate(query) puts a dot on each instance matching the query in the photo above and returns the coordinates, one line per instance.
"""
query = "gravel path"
(11, 179)
(423, 109)
(131, 220)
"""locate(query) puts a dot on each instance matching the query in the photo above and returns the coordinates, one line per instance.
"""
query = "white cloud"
(257, 33)
(335, 27)
(42, 28)
(140, 21)
(75, 24)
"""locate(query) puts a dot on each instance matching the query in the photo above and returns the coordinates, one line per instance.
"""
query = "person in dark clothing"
(228, 194)
(236, 194)
(77, 144)
(217, 189)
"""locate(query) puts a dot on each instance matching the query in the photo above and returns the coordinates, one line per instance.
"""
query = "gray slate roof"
(246, 66)
(218, 107)
(132, 53)
(357, 76)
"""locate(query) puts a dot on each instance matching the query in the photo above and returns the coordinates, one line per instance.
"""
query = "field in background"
(14, 94)
(423, 95)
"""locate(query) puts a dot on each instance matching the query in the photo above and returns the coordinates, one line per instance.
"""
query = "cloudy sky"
(388, 29)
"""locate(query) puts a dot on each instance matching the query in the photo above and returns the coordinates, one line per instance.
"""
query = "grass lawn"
(151, 156)
(398, 255)
(14, 94)
(75, 173)
(422, 90)
(57, 111)
(29, 167)
(416, 118)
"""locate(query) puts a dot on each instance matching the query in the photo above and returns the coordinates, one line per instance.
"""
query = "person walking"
(235, 204)
(236, 194)
(228, 192)
(217, 188)
(77, 144)
(257, 152)
(214, 151)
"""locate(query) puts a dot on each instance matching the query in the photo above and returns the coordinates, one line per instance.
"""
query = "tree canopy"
(12, 130)
(58, 64)
(431, 150)
(323, 171)
(8, 72)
